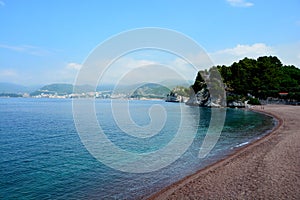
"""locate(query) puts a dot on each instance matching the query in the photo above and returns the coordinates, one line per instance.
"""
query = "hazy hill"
(147, 90)
(16, 88)
(151, 90)
(61, 89)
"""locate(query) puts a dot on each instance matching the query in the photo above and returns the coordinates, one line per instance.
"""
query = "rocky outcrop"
(201, 98)
(174, 97)
(236, 104)
(208, 91)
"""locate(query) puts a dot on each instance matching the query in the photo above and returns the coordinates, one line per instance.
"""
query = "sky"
(47, 41)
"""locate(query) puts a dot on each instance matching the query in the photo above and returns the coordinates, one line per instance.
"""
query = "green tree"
(263, 77)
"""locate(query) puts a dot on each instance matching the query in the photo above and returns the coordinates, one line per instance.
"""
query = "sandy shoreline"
(266, 169)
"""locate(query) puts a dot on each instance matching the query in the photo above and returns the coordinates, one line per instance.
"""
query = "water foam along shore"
(269, 168)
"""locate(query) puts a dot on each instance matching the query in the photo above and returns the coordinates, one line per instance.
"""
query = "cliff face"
(201, 98)
(208, 90)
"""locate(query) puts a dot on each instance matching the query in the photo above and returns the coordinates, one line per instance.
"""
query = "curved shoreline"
(257, 170)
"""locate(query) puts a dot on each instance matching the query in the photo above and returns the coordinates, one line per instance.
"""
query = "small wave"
(242, 144)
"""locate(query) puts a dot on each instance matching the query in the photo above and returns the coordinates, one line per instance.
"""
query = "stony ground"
(266, 169)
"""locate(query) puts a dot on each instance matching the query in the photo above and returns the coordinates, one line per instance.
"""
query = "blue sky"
(46, 41)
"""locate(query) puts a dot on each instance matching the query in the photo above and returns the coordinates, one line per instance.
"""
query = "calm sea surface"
(42, 156)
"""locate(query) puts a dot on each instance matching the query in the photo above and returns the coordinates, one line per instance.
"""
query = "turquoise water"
(42, 157)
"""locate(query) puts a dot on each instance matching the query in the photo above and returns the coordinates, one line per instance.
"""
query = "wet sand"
(266, 169)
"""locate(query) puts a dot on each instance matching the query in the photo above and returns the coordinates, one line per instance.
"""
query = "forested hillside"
(262, 77)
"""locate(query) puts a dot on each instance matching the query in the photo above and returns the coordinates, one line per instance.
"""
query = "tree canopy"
(262, 77)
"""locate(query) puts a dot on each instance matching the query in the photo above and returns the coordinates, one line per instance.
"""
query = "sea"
(42, 155)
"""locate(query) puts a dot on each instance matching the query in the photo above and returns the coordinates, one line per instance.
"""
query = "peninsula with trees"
(256, 81)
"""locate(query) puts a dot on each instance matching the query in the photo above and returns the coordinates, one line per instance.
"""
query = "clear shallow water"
(42, 157)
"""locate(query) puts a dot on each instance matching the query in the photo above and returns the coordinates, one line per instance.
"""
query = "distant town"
(65, 91)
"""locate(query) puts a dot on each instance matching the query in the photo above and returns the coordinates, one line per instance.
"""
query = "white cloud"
(8, 73)
(157, 68)
(73, 66)
(2, 3)
(289, 54)
(122, 66)
(188, 69)
(244, 50)
(28, 49)
(230, 55)
(131, 70)
(130, 65)
(240, 3)
(155, 73)
(201, 60)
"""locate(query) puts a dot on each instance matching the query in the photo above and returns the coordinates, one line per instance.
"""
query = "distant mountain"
(16, 88)
(151, 90)
(54, 89)
(147, 90)
(105, 87)
(59, 88)
(174, 83)
(62, 89)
